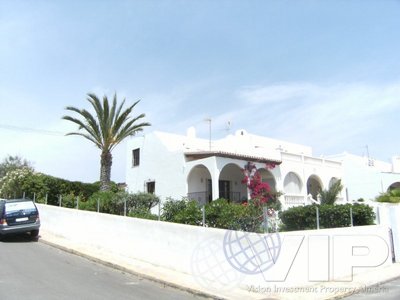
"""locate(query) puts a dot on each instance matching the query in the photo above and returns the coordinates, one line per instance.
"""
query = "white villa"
(177, 166)
(366, 177)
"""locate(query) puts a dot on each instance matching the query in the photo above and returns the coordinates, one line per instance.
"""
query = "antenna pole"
(209, 133)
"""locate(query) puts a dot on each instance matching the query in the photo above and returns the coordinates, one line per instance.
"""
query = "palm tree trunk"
(105, 170)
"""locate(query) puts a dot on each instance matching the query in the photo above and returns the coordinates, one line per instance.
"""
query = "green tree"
(330, 195)
(106, 129)
(12, 163)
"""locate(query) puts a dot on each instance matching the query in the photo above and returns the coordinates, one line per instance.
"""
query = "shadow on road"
(18, 238)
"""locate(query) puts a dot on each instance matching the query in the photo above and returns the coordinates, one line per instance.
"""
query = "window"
(151, 187)
(135, 157)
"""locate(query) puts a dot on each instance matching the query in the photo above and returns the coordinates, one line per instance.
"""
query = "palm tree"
(109, 127)
(330, 195)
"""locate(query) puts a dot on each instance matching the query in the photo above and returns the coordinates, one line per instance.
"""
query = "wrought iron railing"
(294, 200)
(201, 197)
(205, 197)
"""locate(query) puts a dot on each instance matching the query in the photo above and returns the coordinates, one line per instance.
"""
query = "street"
(34, 270)
(387, 291)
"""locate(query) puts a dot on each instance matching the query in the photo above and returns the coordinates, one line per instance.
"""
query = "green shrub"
(171, 208)
(142, 214)
(68, 200)
(363, 215)
(330, 216)
(183, 211)
(221, 214)
(139, 201)
(108, 203)
(218, 214)
(392, 196)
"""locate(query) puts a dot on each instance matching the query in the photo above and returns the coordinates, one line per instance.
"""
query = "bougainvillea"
(260, 192)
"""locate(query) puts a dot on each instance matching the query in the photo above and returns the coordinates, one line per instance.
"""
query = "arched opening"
(230, 183)
(314, 186)
(266, 176)
(395, 185)
(333, 181)
(199, 184)
(292, 184)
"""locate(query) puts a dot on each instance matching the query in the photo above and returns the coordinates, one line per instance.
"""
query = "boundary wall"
(218, 261)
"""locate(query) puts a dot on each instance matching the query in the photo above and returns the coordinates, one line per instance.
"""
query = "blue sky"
(320, 73)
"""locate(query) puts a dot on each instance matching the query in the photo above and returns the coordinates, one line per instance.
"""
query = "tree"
(106, 129)
(12, 163)
(330, 195)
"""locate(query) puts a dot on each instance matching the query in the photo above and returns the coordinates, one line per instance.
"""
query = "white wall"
(364, 181)
(158, 163)
(387, 214)
(195, 251)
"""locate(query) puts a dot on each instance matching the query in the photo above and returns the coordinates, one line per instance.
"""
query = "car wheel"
(34, 233)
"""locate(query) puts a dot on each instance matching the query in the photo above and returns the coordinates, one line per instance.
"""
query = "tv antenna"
(228, 126)
(209, 132)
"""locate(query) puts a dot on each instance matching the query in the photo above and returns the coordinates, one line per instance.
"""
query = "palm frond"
(87, 136)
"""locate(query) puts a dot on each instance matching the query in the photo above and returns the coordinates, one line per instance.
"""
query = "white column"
(215, 183)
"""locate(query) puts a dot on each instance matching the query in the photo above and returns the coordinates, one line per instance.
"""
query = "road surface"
(34, 270)
(386, 291)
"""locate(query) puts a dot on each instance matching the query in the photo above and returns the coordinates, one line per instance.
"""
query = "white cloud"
(327, 117)
(277, 93)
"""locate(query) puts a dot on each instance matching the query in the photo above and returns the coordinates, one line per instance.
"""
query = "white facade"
(366, 178)
(179, 166)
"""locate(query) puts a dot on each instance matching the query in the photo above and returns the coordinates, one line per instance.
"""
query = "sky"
(320, 73)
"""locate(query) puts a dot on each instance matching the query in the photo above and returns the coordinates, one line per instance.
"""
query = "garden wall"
(219, 259)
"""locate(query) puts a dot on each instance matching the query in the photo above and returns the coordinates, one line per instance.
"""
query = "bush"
(107, 201)
(219, 214)
(182, 211)
(142, 214)
(25, 181)
(139, 201)
(330, 216)
(222, 214)
(392, 196)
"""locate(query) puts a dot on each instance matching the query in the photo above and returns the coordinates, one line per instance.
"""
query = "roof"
(205, 154)
(16, 200)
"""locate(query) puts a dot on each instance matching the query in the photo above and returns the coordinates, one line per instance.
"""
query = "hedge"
(330, 216)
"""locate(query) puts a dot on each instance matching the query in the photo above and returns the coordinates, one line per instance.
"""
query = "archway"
(230, 183)
(292, 184)
(314, 186)
(395, 185)
(266, 176)
(333, 181)
(199, 184)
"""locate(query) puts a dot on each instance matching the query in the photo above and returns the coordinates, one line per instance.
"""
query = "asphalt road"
(387, 291)
(34, 270)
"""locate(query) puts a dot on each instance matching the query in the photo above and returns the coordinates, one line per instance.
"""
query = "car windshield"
(13, 208)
